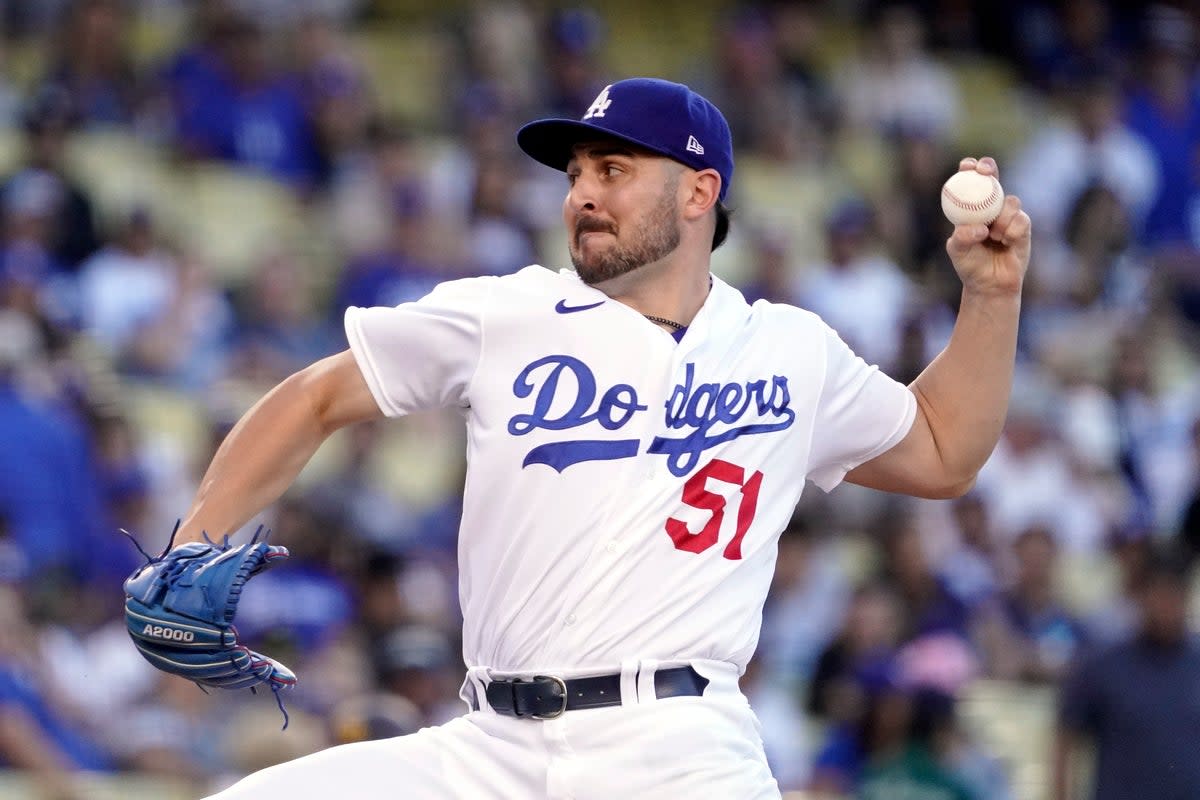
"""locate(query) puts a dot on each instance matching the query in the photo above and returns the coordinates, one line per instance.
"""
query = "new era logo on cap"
(662, 117)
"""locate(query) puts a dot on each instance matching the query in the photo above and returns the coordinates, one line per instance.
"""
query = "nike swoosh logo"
(563, 308)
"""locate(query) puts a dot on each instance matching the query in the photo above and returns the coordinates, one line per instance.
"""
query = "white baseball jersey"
(624, 490)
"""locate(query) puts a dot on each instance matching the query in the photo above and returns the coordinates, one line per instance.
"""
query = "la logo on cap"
(693, 145)
(600, 104)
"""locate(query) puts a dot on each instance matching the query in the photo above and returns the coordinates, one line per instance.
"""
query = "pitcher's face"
(621, 211)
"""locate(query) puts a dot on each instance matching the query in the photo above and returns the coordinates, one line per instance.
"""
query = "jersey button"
(611, 547)
(570, 620)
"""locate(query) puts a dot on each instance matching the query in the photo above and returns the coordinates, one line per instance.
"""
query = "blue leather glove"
(179, 610)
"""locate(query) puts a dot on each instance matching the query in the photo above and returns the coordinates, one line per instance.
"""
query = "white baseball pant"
(701, 748)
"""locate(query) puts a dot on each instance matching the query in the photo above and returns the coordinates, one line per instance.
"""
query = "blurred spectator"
(81, 631)
(369, 717)
(37, 732)
(1138, 702)
(789, 185)
(748, 84)
(477, 193)
(355, 493)
(894, 83)
(908, 731)
(806, 605)
(304, 608)
(784, 734)
(575, 38)
(418, 663)
(1164, 108)
(904, 744)
(930, 607)
(1116, 617)
(49, 486)
(401, 270)
(127, 285)
(380, 604)
(922, 336)
(497, 240)
(47, 122)
(770, 274)
(870, 633)
(182, 72)
(860, 292)
(92, 67)
(11, 92)
(959, 752)
(335, 89)
(183, 322)
(1066, 41)
(1030, 479)
(34, 281)
(911, 222)
(280, 329)
(1154, 421)
(1091, 144)
(124, 479)
(233, 104)
(363, 192)
(501, 59)
(972, 568)
(880, 715)
(1189, 526)
(174, 731)
(1092, 284)
(799, 30)
(1028, 635)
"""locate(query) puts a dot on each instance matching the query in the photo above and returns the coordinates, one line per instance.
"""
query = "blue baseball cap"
(663, 117)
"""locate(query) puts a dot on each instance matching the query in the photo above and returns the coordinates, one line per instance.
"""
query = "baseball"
(969, 197)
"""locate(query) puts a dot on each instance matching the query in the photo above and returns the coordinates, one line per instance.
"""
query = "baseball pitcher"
(638, 437)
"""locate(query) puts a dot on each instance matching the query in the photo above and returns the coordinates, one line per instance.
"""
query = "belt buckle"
(560, 711)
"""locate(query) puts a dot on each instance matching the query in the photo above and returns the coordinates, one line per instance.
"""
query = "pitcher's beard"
(655, 239)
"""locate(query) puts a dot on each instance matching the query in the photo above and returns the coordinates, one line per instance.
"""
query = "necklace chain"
(678, 326)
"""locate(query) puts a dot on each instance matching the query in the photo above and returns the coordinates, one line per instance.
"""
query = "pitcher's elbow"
(960, 488)
(949, 489)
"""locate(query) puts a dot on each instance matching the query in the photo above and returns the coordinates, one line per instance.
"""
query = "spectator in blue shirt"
(92, 64)
(49, 486)
(47, 124)
(236, 107)
(399, 271)
(1164, 107)
(1138, 702)
(1030, 635)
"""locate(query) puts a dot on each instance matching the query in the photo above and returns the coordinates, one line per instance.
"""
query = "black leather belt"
(547, 697)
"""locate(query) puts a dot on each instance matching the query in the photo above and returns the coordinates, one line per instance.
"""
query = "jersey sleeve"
(424, 354)
(861, 413)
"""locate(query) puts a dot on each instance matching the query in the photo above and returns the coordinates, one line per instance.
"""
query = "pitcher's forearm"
(269, 446)
(964, 392)
(259, 459)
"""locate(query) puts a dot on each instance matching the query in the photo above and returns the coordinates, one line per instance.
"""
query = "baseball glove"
(179, 610)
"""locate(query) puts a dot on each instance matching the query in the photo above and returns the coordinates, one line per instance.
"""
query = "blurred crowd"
(129, 345)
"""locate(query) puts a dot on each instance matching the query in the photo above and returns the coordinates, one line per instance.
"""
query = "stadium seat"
(120, 172)
(231, 217)
(1014, 722)
(996, 115)
(407, 65)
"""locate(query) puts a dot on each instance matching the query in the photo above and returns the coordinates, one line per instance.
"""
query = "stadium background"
(191, 193)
